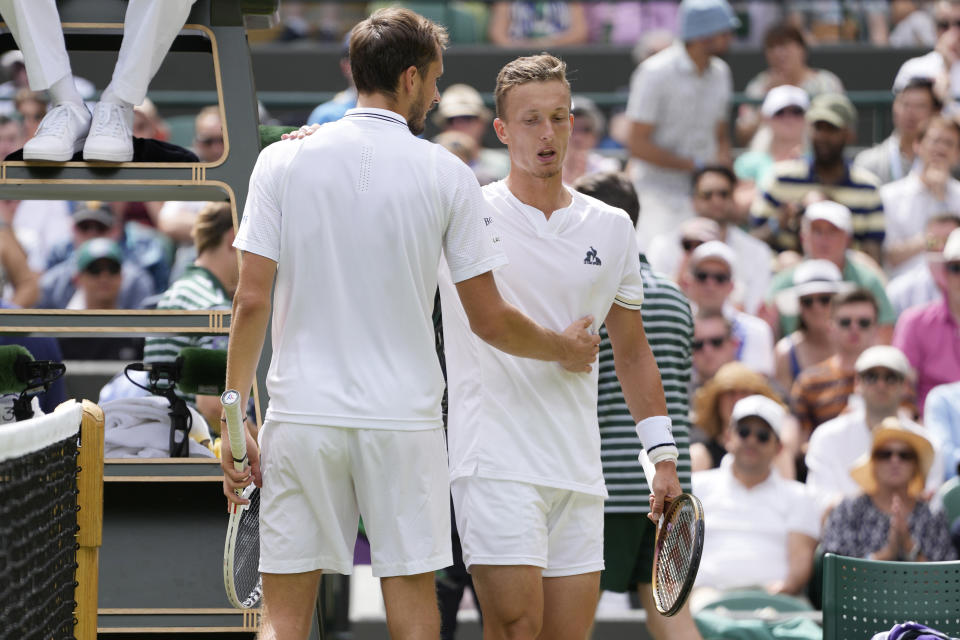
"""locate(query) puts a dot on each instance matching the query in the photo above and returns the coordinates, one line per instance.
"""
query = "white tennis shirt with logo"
(522, 419)
(356, 216)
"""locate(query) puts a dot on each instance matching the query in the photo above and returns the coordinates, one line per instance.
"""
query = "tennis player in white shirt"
(350, 224)
(524, 443)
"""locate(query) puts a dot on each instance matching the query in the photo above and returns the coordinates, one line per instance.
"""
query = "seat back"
(755, 599)
(949, 494)
(864, 597)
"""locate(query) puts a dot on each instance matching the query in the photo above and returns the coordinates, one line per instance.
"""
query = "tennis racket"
(241, 551)
(676, 553)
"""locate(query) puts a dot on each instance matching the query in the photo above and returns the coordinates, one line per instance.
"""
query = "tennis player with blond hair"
(526, 477)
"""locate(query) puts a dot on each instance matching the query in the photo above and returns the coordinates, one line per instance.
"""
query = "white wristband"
(663, 453)
(655, 431)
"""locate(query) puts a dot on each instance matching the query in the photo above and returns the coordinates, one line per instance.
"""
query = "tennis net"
(38, 525)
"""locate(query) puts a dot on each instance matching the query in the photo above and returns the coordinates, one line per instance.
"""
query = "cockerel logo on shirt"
(592, 258)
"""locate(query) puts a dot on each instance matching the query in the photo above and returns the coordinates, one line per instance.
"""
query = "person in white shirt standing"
(527, 481)
(350, 223)
(679, 111)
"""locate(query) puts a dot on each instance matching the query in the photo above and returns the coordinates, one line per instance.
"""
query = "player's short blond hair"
(539, 68)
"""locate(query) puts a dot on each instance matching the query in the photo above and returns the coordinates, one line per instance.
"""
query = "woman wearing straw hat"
(712, 407)
(889, 520)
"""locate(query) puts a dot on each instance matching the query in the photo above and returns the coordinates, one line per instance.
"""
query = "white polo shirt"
(746, 530)
(356, 216)
(523, 419)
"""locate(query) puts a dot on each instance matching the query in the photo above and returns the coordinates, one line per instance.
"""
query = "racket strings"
(676, 555)
(246, 567)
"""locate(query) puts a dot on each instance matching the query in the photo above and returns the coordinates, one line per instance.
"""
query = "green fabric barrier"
(714, 626)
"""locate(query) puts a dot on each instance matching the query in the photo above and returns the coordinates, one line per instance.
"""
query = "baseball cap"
(703, 18)
(714, 250)
(922, 69)
(883, 356)
(460, 100)
(833, 212)
(11, 58)
(768, 410)
(97, 249)
(951, 250)
(94, 210)
(786, 95)
(833, 108)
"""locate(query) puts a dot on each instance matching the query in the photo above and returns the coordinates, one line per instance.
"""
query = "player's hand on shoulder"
(582, 346)
(300, 133)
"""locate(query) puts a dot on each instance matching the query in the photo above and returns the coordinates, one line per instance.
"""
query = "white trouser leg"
(149, 28)
(35, 25)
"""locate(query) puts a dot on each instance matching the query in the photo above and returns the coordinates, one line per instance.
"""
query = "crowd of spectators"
(823, 278)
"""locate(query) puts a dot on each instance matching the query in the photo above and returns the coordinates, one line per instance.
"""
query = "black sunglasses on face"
(719, 278)
(715, 342)
(943, 25)
(690, 245)
(890, 377)
(846, 323)
(762, 435)
(885, 454)
(91, 226)
(953, 267)
(824, 299)
(708, 195)
(96, 269)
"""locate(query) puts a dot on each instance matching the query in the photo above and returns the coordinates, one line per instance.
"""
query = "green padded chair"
(949, 494)
(863, 597)
(755, 599)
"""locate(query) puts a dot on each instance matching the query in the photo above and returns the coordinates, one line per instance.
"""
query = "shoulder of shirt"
(834, 427)
(816, 372)
(754, 243)
(659, 61)
(719, 65)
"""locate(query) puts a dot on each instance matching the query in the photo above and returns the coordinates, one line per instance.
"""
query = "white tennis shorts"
(318, 480)
(503, 522)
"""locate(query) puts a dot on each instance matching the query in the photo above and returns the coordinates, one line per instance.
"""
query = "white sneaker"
(60, 135)
(111, 134)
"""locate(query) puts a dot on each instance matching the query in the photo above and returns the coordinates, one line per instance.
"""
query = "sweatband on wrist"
(655, 431)
(664, 452)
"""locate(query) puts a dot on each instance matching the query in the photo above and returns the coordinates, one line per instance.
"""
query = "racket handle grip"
(230, 399)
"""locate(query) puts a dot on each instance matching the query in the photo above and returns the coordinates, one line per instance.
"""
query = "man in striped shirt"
(628, 533)
(784, 191)
(208, 283)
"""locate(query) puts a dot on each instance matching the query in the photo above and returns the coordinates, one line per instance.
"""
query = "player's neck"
(381, 101)
(545, 194)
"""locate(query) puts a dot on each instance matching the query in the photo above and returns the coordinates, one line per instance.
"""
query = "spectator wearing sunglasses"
(940, 65)
(890, 520)
(709, 285)
(712, 199)
(782, 136)
(762, 529)
(882, 388)
(820, 393)
(714, 345)
(815, 283)
(91, 220)
(929, 335)
(826, 231)
(98, 281)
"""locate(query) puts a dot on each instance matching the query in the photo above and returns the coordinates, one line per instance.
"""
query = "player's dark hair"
(388, 43)
(613, 188)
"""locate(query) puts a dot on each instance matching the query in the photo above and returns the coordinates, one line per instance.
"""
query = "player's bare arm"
(505, 327)
(643, 391)
(248, 327)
